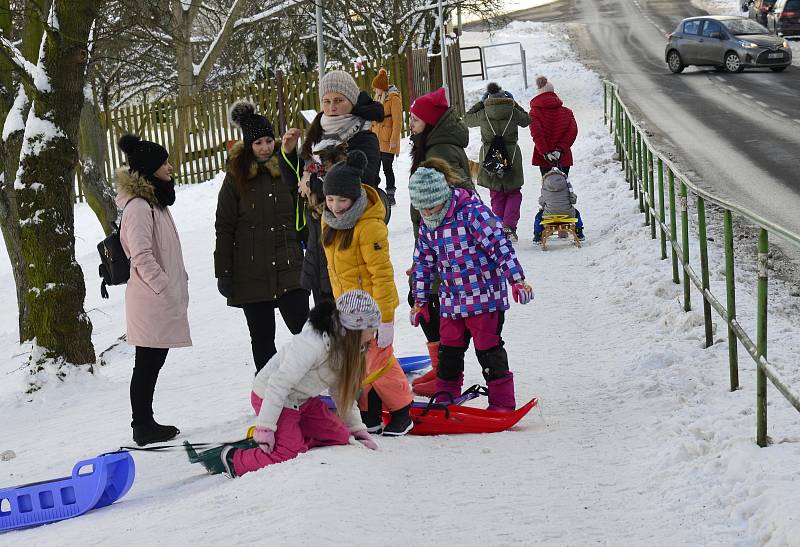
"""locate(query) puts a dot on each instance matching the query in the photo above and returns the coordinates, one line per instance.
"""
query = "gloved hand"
(522, 292)
(484, 97)
(265, 438)
(419, 312)
(553, 156)
(225, 286)
(385, 335)
(365, 438)
(508, 94)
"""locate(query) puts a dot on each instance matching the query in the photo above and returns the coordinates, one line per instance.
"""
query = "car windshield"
(737, 27)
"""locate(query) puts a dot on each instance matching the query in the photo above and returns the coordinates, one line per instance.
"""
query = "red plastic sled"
(455, 419)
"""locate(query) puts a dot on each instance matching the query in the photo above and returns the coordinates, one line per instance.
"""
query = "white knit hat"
(358, 311)
(339, 81)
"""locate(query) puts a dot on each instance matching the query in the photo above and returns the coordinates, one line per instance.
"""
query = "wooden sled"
(563, 225)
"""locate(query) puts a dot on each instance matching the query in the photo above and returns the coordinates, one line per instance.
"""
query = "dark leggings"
(261, 322)
(147, 365)
(544, 170)
(430, 328)
(387, 160)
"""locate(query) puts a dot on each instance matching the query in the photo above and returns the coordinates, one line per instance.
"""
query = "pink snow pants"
(312, 425)
(484, 328)
(506, 205)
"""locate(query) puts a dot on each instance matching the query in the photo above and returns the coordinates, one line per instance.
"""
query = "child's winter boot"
(219, 459)
(501, 394)
(400, 424)
(448, 390)
(579, 233)
(373, 415)
(425, 385)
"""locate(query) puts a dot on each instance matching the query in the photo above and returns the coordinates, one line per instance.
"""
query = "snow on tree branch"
(14, 120)
(24, 68)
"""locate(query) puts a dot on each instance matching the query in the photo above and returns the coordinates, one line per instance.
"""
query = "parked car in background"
(784, 18)
(757, 10)
(727, 43)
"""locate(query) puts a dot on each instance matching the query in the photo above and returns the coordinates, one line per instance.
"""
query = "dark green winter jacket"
(257, 243)
(499, 114)
(447, 141)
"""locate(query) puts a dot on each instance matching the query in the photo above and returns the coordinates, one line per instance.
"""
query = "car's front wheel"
(777, 68)
(674, 62)
(732, 62)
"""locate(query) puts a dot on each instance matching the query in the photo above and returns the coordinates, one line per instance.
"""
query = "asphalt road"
(735, 134)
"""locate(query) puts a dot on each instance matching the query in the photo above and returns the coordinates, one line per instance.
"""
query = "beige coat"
(157, 295)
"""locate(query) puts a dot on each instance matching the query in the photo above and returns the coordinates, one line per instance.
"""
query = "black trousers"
(261, 322)
(543, 169)
(147, 365)
(429, 328)
(387, 160)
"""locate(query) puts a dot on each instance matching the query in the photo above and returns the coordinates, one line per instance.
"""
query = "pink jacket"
(157, 295)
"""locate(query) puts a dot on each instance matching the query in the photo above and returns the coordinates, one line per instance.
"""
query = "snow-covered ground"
(637, 440)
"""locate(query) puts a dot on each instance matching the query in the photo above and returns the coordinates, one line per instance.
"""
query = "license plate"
(775, 56)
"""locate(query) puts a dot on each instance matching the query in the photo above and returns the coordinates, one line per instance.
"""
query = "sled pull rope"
(167, 447)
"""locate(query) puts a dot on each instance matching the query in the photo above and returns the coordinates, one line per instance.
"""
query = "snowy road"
(737, 134)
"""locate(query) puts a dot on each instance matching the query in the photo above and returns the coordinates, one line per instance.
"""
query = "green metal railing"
(637, 156)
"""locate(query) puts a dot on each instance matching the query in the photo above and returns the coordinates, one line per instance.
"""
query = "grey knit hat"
(358, 311)
(339, 81)
(344, 178)
(428, 188)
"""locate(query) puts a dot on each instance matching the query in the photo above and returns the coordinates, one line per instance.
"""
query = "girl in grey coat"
(557, 198)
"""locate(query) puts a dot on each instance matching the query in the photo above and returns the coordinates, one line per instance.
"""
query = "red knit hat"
(431, 107)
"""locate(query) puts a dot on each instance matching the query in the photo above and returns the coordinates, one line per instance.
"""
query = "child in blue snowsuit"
(557, 198)
(462, 241)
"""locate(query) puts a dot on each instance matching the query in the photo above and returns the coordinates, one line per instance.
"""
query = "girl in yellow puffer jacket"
(356, 243)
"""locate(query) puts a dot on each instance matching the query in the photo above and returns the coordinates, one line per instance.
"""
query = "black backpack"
(497, 160)
(115, 266)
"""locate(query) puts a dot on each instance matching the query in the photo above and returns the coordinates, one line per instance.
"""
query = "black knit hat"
(254, 126)
(344, 178)
(144, 157)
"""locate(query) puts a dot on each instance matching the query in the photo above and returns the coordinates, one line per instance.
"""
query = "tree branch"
(26, 70)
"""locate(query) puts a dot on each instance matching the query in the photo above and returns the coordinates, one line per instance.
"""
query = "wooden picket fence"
(208, 131)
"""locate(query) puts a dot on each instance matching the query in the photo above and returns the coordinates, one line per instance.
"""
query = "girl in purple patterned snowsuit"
(463, 241)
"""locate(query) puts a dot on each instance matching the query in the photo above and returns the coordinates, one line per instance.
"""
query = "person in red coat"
(553, 129)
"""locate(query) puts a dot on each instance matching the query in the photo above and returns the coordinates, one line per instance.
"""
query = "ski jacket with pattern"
(553, 127)
(300, 370)
(472, 256)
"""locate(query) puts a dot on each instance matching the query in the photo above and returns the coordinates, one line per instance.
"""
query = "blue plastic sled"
(94, 483)
(414, 363)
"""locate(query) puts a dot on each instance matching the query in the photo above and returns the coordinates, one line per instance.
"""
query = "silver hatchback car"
(727, 43)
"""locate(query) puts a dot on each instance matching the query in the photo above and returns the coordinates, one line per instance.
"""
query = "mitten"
(419, 312)
(522, 292)
(385, 335)
(225, 286)
(366, 439)
(265, 438)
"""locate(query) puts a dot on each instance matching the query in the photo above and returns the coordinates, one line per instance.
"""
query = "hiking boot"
(400, 423)
(153, 432)
(579, 233)
(216, 460)
(512, 236)
(537, 238)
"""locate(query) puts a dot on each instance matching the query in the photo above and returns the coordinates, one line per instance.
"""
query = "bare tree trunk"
(53, 280)
(96, 188)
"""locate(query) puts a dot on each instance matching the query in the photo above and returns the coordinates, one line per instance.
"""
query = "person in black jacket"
(344, 124)
(258, 258)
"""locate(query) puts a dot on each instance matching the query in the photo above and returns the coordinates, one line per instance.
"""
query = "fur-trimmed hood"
(271, 165)
(132, 185)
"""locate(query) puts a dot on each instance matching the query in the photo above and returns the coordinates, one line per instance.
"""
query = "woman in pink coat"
(157, 296)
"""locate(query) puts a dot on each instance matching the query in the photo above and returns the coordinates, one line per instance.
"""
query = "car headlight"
(786, 44)
(746, 44)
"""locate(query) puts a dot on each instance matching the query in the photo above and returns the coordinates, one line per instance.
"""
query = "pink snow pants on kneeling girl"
(312, 425)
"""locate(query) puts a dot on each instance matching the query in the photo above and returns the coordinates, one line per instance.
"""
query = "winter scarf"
(435, 220)
(351, 216)
(164, 190)
(342, 127)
